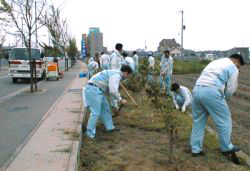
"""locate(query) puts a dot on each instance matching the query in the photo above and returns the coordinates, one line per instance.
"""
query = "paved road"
(3, 73)
(6, 85)
(20, 114)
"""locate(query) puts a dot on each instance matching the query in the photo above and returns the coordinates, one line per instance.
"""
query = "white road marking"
(3, 77)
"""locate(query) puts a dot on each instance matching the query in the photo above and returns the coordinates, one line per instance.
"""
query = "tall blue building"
(95, 41)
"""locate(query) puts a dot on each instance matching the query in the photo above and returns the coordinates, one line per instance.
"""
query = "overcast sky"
(210, 24)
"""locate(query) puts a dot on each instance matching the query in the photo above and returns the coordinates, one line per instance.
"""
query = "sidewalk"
(55, 144)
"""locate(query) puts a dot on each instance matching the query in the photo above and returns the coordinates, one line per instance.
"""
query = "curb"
(22, 145)
(28, 152)
(74, 159)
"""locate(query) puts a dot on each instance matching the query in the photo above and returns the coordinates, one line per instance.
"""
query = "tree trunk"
(67, 64)
(171, 147)
(31, 64)
(35, 75)
(142, 103)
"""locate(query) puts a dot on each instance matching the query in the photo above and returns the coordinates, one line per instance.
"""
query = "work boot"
(112, 130)
(232, 154)
(234, 150)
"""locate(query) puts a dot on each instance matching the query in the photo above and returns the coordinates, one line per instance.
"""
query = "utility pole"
(36, 25)
(22, 31)
(182, 28)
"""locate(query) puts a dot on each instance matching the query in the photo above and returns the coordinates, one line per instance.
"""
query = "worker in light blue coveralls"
(166, 65)
(128, 61)
(90, 60)
(101, 83)
(182, 97)
(151, 66)
(216, 84)
(116, 61)
(104, 61)
(136, 61)
(116, 58)
(92, 68)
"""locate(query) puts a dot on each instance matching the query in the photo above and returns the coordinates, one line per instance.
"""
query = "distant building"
(171, 45)
(141, 52)
(168, 44)
(243, 51)
(4, 51)
(176, 52)
(84, 46)
(189, 52)
(105, 49)
(95, 41)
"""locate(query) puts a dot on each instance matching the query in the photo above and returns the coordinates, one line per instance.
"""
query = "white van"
(209, 57)
(19, 67)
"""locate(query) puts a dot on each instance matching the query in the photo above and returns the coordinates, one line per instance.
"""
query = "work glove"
(177, 107)
(124, 101)
(183, 109)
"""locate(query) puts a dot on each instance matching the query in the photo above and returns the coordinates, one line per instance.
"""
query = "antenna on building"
(145, 46)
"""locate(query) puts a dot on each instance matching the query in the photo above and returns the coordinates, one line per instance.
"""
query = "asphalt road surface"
(20, 114)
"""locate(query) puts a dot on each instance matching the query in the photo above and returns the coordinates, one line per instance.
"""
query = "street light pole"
(182, 28)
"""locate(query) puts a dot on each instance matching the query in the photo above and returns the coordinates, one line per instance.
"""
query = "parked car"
(209, 57)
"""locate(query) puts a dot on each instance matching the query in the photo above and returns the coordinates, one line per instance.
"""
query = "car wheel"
(43, 75)
(14, 80)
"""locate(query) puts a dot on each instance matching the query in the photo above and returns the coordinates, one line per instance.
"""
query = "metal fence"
(61, 64)
(3, 62)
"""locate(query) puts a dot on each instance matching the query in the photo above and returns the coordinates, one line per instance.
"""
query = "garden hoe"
(131, 98)
(117, 113)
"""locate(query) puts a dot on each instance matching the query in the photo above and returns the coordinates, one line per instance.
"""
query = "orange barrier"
(52, 66)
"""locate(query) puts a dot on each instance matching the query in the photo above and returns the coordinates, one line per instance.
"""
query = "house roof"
(178, 48)
(171, 43)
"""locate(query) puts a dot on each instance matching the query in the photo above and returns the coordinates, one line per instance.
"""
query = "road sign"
(83, 49)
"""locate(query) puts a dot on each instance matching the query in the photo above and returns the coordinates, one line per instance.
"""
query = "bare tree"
(2, 40)
(58, 30)
(72, 50)
(24, 16)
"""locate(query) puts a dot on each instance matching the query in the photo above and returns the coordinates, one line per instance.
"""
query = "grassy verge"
(143, 144)
(189, 67)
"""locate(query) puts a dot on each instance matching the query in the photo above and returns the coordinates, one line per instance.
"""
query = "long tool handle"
(129, 94)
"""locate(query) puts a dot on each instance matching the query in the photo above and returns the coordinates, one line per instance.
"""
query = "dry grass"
(143, 144)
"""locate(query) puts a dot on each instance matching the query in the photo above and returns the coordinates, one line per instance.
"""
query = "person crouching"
(181, 96)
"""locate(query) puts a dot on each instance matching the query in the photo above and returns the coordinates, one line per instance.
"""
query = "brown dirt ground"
(143, 143)
(239, 106)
